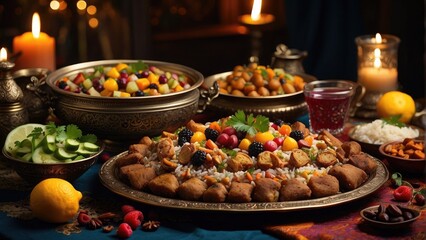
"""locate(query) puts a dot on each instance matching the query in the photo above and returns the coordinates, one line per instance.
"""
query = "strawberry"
(403, 193)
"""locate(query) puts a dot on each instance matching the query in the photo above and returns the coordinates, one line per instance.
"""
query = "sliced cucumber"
(39, 156)
(62, 154)
(91, 147)
(83, 151)
(49, 144)
(27, 157)
(79, 157)
(21, 151)
(71, 145)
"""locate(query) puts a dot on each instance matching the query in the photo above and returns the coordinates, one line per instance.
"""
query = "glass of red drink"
(328, 104)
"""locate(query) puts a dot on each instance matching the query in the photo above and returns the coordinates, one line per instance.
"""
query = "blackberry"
(184, 136)
(211, 134)
(182, 141)
(153, 86)
(198, 158)
(138, 94)
(255, 148)
(62, 84)
(296, 135)
(279, 122)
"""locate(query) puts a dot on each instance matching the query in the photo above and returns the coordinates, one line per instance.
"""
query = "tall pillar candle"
(37, 48)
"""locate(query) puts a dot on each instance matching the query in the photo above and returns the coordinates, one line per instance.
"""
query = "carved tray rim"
(110, 180)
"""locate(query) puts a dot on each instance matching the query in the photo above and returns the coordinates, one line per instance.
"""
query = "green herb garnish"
(248, 123)
(394, 120)
(229, 152)
(138, 66)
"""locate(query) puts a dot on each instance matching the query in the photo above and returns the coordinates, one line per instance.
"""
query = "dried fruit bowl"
(128, 119)
(388, 225)
(416, 166)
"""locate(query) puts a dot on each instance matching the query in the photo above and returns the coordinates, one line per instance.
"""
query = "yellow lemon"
(395, 103)
(55, 200)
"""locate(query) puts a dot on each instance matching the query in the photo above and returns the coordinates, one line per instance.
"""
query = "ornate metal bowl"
(128, 119)
(287, 107)
(36, 172)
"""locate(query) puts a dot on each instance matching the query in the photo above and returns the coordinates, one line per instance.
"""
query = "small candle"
(256, 18)
(378, 78)
(3, 54)
(38, 48)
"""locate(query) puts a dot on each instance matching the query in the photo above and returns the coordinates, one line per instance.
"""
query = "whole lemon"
(55, 200)
(396, 103)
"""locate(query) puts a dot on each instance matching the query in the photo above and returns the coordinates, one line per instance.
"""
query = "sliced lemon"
(19, 134)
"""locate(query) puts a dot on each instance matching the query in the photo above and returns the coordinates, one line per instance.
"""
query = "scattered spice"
(151, 225)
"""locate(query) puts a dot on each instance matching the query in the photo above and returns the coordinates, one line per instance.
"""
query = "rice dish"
(174, 154)
(379, 132)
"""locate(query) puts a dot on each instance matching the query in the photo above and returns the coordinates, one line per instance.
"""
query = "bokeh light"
(91, 10)
(54, 5)
(93, 22)
(81, 5)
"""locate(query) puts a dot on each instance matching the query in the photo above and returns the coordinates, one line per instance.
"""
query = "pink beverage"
(328, 106)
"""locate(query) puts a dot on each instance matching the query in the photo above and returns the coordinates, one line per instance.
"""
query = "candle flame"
(377, 63)
(255, 11)
(378, 38)
(3, 54)
(36, 25)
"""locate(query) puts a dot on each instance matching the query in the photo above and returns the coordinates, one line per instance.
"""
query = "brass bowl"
(129, 119)
(36, 172)
(287, 107)
(413, 166)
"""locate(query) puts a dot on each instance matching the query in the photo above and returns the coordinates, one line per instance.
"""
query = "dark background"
(207, 35)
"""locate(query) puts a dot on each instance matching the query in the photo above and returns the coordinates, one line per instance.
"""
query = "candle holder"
(256, 27)
(12, 112)
(377, 70)
(288, 59)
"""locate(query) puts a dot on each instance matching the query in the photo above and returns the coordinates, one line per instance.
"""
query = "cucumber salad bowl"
(37, 152)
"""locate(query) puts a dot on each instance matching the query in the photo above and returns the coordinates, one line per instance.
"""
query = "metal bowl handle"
(207, 96)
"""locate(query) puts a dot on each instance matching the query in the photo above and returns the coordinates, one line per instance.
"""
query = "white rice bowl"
(379, 132)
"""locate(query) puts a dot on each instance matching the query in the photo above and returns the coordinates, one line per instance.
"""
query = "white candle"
(378, 79)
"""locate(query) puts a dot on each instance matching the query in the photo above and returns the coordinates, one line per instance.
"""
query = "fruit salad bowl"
(120, 119)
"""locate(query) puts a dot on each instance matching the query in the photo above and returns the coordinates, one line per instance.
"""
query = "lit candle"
(3, 54)
(378, 78)
(38, 48)
(256, 18)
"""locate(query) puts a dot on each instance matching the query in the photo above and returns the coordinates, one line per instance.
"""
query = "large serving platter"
(109, 178)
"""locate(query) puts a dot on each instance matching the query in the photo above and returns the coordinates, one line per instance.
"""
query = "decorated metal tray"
(109, 178)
